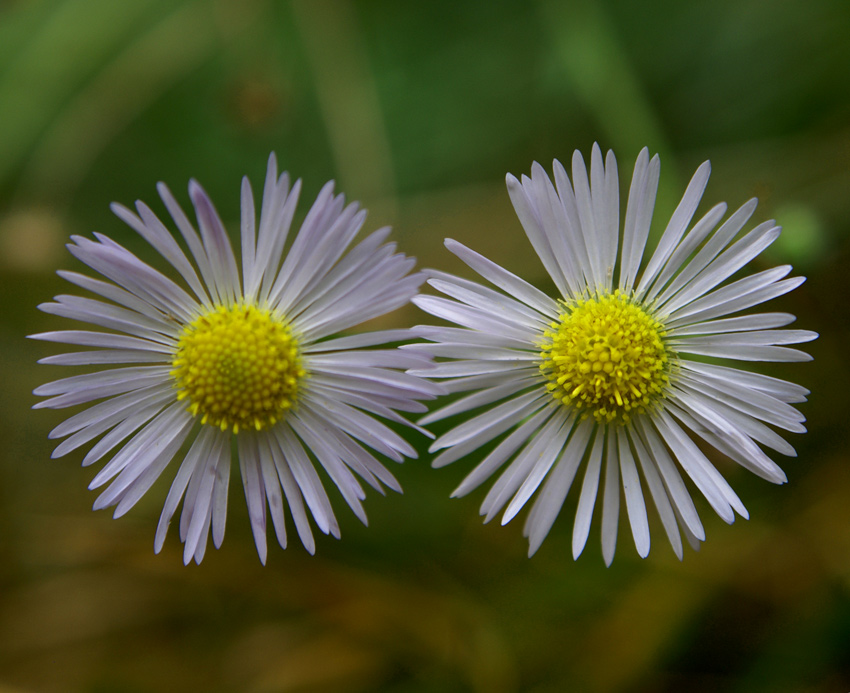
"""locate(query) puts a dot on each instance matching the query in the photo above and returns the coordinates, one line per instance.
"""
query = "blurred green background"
(419, 110)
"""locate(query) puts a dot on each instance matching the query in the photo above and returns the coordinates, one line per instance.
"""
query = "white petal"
(486, 434)
(751, 402)
(736, 296)
(192, 239)
(658, 492)
(509, 411)
(544, 462)
(274, 495)
(116, 412)
(635, 506)
(477, 399)
(507, 447)
(307, 479)
(293, 496)
(589, 490)
(506, 281)
(641, 204)
(157, 442)
(529, 216)
(154, 232)
(358, 341)
(780, 389)
(681, 499)
(144, 478)
(102, 339)
(543, 448)
(724, 266)
(255, 491)
(217, 245)
(478, 296)
(676, 226)
(112, 318)
(610, 499)
(475, 319)
(684, 250)
(197, 453)
(712, 248)
(758, 321)
(551, 499)
(101, 358)
(708, 423)
(342, 477)
(709, 481)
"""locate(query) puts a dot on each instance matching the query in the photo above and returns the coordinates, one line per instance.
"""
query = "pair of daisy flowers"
(618, 376)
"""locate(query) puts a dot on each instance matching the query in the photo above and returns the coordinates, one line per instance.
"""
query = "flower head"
(250, 357)
(620, 372)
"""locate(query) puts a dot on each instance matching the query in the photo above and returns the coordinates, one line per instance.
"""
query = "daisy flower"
(622, 374)
(228, 362)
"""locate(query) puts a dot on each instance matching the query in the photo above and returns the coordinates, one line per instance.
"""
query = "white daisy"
(619, 372)
(244, 358)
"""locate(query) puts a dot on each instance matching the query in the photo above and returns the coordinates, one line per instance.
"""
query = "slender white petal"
(154, 232)
(358, 341)
(340, 474)
(307, 479)
(294, 497)
(541, 450)
(725, 265)
(511, 410)
(551, 499)
(143, 477)
(679, 495)
(544, 463)
(483, 435)
(676, 227)
(255, 491)
(504, 280)
(217, 244)
(659, 494)
(688, 245)
(478, 296)
(112, 318)
(728, 299)
(641, 204)
(715, 488)
(198, 454)
(635, 506)
(478, 399)
(529, 217)
(572, 246)
(103, 357)
(102, 339)
(589, 490)
(502, 452)
(610, 499)
(719, 240)
(743, 323)
(781, 389)
(192, 239)
(98, 412)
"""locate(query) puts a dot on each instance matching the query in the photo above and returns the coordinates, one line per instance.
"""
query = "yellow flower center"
(606, 356)
(238, 367)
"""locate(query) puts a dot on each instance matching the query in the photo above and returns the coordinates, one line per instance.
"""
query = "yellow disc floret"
(238, 367)
(606, 356)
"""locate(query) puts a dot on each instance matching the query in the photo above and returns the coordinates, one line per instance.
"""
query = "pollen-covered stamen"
(238, 367)
(606, 356)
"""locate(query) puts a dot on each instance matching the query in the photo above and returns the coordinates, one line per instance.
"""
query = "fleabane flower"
(622, 379)
(225, 361)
